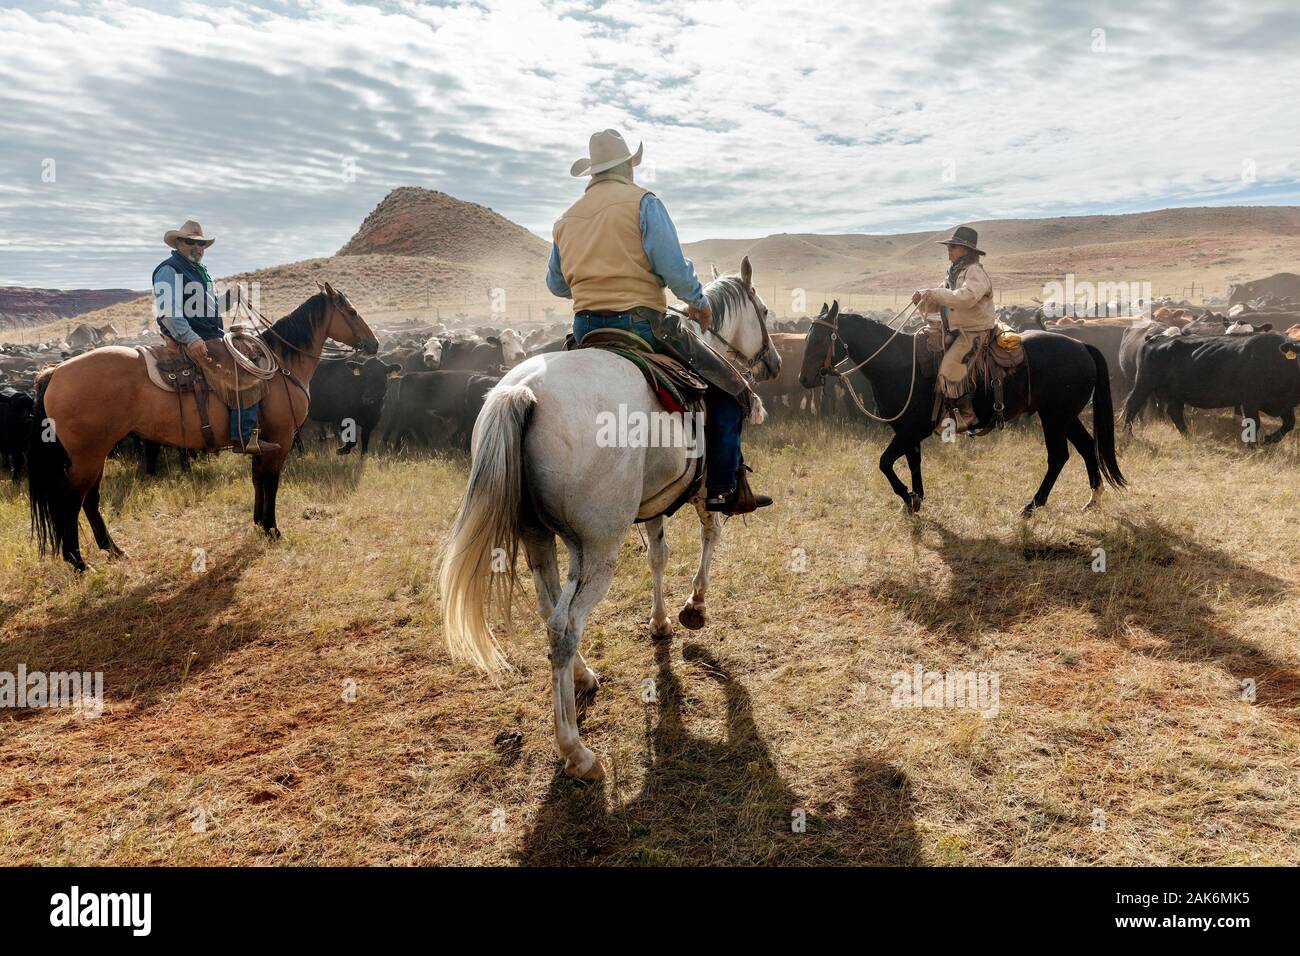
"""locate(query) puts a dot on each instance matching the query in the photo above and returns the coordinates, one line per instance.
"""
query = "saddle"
(678, 388)
(172, 370)
(993, 358)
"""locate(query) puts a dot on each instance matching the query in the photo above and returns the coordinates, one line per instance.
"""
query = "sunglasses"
(191, 242)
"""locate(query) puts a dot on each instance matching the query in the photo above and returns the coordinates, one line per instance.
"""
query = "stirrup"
(255, 445)
(730, 503)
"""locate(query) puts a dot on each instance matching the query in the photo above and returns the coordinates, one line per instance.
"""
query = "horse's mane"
(727, 296)
(296, 330)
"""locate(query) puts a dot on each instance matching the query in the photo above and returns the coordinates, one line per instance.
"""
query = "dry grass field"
(228, 738)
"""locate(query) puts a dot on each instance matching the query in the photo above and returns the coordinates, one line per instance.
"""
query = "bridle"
(327, 351)
(764, 349)
(831, 367)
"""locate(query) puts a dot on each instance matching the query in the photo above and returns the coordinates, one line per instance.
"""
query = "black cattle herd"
(426, 387)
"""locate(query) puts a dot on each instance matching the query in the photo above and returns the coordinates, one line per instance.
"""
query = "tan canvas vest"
(601, 255)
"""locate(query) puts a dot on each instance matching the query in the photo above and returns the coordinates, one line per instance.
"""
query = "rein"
(831, 367)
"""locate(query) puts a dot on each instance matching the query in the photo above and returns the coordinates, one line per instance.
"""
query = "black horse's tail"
(1103, 421)
(47, 478)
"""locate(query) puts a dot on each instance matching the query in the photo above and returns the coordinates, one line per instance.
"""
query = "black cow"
(472, 355)
(17, 419)
(1106, 339)
(426, 407)
(1130, 349)
(349, 396)
(1259, 373)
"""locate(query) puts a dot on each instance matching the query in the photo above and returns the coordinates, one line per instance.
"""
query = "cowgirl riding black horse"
(1056, 381)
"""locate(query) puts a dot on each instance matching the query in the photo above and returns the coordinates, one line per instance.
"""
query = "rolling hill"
(424, 255)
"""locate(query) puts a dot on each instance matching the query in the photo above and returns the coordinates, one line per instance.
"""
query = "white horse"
(538, 471)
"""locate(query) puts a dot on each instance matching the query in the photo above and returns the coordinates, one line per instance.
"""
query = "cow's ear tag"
(356, 372)
(1289, 354)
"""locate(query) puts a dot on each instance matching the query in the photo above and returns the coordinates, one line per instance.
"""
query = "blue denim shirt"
(169, 290)
(662, 248)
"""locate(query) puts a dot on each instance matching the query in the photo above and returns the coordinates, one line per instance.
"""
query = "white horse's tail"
(479, 556)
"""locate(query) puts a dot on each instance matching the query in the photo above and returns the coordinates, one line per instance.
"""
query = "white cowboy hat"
(191, 230)
(607, 150)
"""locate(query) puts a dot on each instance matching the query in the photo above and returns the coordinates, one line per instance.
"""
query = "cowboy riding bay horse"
(89, 403)
(539, 471)
(1057, 379)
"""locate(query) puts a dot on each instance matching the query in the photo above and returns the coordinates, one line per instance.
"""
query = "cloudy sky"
(280, 124)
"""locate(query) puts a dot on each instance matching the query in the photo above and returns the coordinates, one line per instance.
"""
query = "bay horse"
(1063, 374)
(89, 403)
(539, 471)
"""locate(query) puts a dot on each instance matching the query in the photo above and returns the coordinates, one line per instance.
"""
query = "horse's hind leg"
(82, 477)
(1058, 453)
(96, 520)
(539, 549)
(1083, 443)
(657, 553)
(591, 569)
(693, 615)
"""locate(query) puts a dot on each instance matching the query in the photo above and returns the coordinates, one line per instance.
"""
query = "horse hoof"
(587, 767)
(586, 681)
(1028, 510)
(691, 617)
(661, 632)
(272, 534)
(117, 554)
(914, 503)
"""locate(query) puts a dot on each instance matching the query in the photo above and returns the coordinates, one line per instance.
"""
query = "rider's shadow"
(161, 633)
(720, 801)
(995, 585)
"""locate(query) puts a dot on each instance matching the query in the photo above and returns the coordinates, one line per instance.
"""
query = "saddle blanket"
(678, 388)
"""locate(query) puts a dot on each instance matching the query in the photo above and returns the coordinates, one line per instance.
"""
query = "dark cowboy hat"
(963, 236)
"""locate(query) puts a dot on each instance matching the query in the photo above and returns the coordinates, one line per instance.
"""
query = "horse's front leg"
(918, 487)
(657, 553)
(259, 495)
(267, 479)
(692, 615)
(896, 448)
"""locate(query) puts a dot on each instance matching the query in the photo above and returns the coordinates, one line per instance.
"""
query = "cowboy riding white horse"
(540, 470)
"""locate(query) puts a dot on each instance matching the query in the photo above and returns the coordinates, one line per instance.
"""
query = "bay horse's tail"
(47, 476)
(1103, 421)
(479, 556)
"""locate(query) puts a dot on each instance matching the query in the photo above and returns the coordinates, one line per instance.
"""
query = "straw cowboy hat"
(607, 150)
(963, 236)
(191, 230)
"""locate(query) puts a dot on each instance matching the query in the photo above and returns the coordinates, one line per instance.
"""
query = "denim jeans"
(721, 442)
(242, 423)
(584, 322)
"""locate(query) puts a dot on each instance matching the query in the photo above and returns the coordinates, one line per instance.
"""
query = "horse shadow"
(144, 644)
(1153, 560)
(720, 802)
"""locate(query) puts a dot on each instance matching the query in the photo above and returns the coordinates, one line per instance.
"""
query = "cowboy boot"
(964, 409)
(741, 499)
(255, 445)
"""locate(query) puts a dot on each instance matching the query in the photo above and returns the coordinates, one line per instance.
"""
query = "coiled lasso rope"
(238, 333)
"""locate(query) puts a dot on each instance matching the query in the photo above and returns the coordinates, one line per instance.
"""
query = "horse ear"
(328, 290)
(835, 310)
(714, 267)
(746, 271)
(319, 286)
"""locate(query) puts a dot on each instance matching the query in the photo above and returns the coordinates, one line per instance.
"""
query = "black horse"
(1063, 374)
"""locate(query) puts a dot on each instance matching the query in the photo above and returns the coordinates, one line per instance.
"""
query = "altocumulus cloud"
(281, 125)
